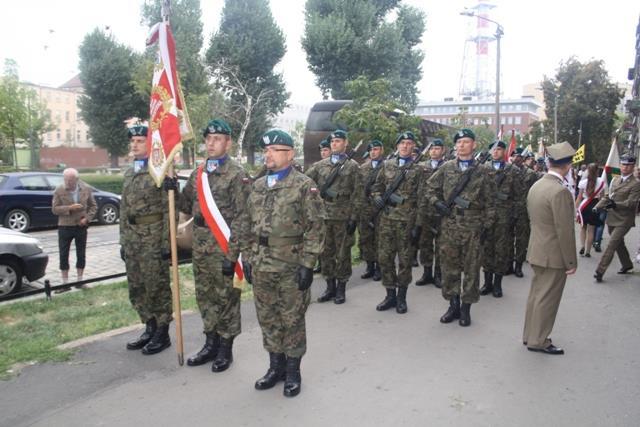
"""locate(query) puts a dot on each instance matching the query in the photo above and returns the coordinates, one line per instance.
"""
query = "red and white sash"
(212, 216)
(585, 202)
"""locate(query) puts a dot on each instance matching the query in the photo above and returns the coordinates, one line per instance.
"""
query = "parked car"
(20, 256)
(26, 197)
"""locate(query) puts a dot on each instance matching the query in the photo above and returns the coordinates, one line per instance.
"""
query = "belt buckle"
(263, 240)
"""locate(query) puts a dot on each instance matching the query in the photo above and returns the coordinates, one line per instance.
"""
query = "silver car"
(21, 256)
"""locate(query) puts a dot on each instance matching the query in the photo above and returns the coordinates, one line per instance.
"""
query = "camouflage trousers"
(281, 309)
(367, 238)
(497, 248)
(148, 279)
(460, 253)
(336, 254)
(429, 243)
(522, 231)
(218, 300)
(394, 240)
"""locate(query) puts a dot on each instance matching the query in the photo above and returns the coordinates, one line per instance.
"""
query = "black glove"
(442, 208)
(378, 202)
(415, 235)
(246, 268)
(122, 254)
(304, 277)
(170, 183)
(351, 227)
(228, 267)
(165, 254)
(611, 205)
(596, 210)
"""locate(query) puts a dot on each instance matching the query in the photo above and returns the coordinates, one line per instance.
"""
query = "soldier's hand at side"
(304, 277)
(228, 267)
(122, 254)
(351, 226)
(246, 268)
(415, 235)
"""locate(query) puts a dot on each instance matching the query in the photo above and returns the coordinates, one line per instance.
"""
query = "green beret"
(137, 130)
(276, 137)
(561, 153)
(374, 143)
(627, 159)
(406, 135)
(217, 126)
(499, 144)
(325, 143)
(437, 143)
(464, 133)
(518, 151)
(338, 133)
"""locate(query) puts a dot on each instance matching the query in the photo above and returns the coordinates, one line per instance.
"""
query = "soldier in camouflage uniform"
(287, 230)
(213, 271)
(522, 229)
(397, 219)
(368, 245)
(339, 198)
(496, 251)
(325, 148)
(465, 220)
(144, 227)
(430, 221)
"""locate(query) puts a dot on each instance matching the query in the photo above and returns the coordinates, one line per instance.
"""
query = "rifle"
(325, 190)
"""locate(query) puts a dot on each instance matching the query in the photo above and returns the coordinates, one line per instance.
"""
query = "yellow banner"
(579, 156)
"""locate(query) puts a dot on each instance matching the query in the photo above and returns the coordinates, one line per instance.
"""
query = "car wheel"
(17, 220)
(10, 276)
(108, 214)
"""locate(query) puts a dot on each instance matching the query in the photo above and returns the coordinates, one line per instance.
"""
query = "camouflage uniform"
(527, 178)
(365, 210)
(287, 230)
(218, 300)
(144, 231)
(429, 220)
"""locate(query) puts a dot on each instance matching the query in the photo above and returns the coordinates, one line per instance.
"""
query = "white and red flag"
(512, 146)
(612, 167)
(168, 120)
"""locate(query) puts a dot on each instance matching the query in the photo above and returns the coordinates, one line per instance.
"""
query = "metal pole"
(555, 120)
(499, 33)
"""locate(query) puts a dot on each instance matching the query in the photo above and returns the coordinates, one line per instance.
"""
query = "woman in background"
(589, 191)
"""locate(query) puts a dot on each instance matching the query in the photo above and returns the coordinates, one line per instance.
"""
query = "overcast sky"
(43, 37)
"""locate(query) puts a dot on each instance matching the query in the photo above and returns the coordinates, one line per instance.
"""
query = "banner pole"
(175, 277)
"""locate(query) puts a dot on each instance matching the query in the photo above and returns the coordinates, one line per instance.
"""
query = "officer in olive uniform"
(340, 198)
(287, 232)
(466, 212)
(368, 246)
(213, 270)
(429, 221)
(397, 219)
(144, 228)
(496, 250)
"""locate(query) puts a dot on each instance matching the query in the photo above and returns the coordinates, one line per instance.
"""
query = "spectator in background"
(75, 207)
(590, 190)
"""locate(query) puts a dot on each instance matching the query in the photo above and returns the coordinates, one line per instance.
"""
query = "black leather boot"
(208, 352)
(368, 274)
(487, 288)
(453, 312)
(341, 290)
(292, 380)
(401, 301)
(388, 301)
(224, 358)
(143, 339)
(510, 270)
(497, 286)
(275, 373)
(414, 261)
(159, 341)
(377, 274)
(330, 292)
(427, 276)
(465, 315)
(437, 278)
(518, 269)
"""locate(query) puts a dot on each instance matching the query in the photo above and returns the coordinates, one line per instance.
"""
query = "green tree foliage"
(586, 95)
(345, 39)
(242, 56)
(106, 71)
(373, 113)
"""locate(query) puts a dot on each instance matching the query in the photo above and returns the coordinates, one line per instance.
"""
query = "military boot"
(377, 274)
(401, 301)
(510, 269)
(388, 301)
(487, 288)
(497, 286)
(224, 358)
(292, 379)
(275, 373)
(208, 352)
(518, 269)
(159, 341)
(370, 270)
(341, 290)
(437, 278)
(149, 330)
(414, 261)
(465, 315)
(453, 312)
(427, 276)
(330, 292)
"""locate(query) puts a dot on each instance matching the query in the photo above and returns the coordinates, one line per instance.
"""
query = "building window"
(518, 120)
(518, 107)
(78, 136)
(87, 136)
(488, 120)
(67, 135)
(58, 135)
(66, 116)
(503, 121)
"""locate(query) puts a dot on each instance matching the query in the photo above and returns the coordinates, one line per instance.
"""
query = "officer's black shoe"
(368, 274)
(487, 288)
(427, 276)
(401, 301)
(159, 341)
(437, 278)
(341, 289)
(275, 373)
(510, 270)
(597, 247)
(389, 301)
(377, 274)
(497, 286)
(625, 270)
(292, 380)
(453, 312)
(224, 358)
(208, 352)
(518, 270)
(149, 330)
(330, 292)
(465, 315)
(598, 277)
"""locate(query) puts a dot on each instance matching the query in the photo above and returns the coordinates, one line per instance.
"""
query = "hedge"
(112, 183)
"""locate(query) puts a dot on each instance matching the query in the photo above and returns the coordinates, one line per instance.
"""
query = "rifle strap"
(462, 184)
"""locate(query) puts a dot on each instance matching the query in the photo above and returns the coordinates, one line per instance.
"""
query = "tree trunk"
(186, 156)
(251, 155)
(243, 130)
(114, 160)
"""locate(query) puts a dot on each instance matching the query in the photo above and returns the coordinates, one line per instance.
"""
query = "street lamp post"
(555, 120)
